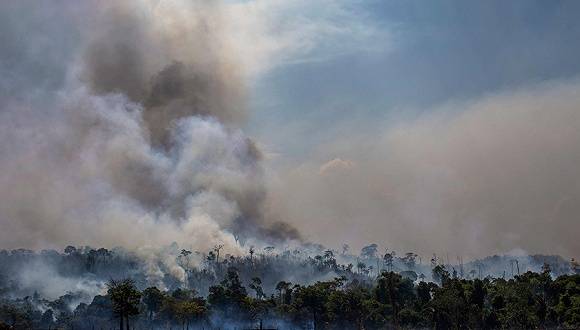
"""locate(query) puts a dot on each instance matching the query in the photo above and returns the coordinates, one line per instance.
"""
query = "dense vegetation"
(223, 294)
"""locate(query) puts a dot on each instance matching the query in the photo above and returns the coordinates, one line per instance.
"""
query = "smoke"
(41, 277)
(169, 57)
(135, 140)
(471, 179)
(120, 124)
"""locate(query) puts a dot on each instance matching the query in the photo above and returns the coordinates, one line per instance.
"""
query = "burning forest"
(191, 164)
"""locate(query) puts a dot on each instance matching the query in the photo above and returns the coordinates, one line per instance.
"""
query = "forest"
(173, 164)
(272, 289)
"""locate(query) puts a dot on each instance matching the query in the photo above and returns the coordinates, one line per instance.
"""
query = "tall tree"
(153, 299)
(125, 298)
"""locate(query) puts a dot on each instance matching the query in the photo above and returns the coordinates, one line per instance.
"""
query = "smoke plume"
(126, 132)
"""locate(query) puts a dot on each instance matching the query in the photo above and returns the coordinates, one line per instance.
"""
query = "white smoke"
(136, 143)
(42, 278)
(77, 185)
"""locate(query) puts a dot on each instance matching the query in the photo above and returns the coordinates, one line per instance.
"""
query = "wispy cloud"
(270, 33)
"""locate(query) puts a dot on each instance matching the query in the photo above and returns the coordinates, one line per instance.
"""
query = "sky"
(447, 127)
(404, 56)
(388, 67)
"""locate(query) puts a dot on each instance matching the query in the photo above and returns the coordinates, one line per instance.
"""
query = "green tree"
(230, 298)
(450, 305)
(346, 309)
(190, 311)
(125, 298)
(393, 290)
(313, 299)
(440, 274)
(153, 299)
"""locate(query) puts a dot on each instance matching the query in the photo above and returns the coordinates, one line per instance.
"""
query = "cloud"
(474, 178)
(271, 33)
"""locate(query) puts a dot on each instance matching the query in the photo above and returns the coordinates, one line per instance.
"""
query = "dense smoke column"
(139, 145)
(175, 71)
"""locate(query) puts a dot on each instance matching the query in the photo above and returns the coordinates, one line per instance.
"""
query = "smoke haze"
(470, 178)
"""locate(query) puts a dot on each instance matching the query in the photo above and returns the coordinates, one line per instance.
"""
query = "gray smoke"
(469, 179)
(168, 57)
(125, 132)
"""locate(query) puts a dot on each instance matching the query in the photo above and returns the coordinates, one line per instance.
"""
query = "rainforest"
(289, 164)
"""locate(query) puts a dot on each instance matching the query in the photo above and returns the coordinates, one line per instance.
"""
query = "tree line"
(389, 300)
